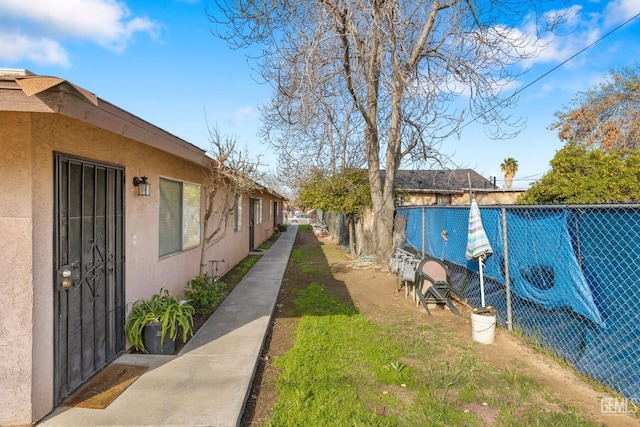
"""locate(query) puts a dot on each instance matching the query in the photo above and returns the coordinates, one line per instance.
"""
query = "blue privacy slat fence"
(573, 278)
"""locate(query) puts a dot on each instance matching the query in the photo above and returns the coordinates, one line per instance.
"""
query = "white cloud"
(240, 115)
(546, 89)
(581, 28)
(14, 48)
(619, 11)
(578, 30)
(44, 25)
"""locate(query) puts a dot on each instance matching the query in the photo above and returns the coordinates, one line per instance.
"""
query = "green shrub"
(174, 314)
(204, 295)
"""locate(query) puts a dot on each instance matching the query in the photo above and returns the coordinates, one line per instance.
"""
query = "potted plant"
(154, 324)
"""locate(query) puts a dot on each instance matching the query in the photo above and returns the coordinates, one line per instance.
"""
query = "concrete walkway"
(208, 382)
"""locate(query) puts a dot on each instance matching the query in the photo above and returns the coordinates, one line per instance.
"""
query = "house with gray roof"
(449, 187)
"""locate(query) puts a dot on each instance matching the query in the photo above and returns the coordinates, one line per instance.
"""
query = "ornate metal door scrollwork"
(97, 268)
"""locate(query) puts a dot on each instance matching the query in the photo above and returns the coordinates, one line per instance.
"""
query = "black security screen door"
(89, 270)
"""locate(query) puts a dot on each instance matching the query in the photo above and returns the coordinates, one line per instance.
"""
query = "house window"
(271, 207)
(237, 213)
(443, 199)
(259, 209)
(179, 216)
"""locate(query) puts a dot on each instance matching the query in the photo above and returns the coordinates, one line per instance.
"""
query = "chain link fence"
(336, 224)
(565, 277)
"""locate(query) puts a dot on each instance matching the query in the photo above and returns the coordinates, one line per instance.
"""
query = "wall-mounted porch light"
(144, 188)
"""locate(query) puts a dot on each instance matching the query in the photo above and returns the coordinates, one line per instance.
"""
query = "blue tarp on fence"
(574, 276)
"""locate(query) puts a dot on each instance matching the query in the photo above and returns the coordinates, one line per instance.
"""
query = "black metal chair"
(433, 284)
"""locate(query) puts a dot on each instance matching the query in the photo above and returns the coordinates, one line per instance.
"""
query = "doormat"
(105, 386)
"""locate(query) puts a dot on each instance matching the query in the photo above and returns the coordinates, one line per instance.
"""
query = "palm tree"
(509, 166)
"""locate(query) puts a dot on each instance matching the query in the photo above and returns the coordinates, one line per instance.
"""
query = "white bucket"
(483, 328)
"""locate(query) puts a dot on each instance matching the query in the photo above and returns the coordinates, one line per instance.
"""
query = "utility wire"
(534, 81)
(589, 46)
(530, 176)
(581, 51)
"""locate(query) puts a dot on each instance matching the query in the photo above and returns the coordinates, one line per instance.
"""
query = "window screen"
(443, 199)
(190, 216)
(170, 217)
(237, 225)
(179, 216)
(259, 209)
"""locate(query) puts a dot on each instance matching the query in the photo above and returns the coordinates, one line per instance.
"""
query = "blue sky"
(159, 61)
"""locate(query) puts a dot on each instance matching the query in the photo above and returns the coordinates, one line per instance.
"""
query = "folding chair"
(404, 264)
(433, 284)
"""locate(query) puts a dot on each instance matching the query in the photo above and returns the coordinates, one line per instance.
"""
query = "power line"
(531, 176)
(531, 83)
(522, 178)
(589, 46)
(581, 51)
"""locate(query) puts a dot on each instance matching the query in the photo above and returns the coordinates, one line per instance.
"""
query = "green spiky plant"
(174, 315)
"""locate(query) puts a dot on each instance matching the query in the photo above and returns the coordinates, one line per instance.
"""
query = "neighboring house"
(449, 187)
(78, 243)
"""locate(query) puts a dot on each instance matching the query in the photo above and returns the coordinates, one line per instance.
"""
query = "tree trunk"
(352, 241)
(508, 181)
(383, 232)
(203, 244)
(203, 260)
(399, 231)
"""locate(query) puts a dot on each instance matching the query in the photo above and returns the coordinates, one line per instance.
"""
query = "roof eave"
(70, 100)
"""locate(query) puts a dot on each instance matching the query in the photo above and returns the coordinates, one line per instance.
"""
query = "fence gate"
(89, 270)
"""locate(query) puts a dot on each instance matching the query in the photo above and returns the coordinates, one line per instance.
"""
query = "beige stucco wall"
(418, 199)
(28, 142)
(16, 280)
(505, 197)
(496, 197)
(263, 230)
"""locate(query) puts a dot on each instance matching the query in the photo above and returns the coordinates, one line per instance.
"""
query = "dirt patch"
(378, 296)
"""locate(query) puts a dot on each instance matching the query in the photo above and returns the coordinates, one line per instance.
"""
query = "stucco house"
(82, 236)
(449, 187)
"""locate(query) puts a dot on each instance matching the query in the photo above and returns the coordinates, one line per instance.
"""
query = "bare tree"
(327, 137)
(413, 71)
(277, 184)
(231, 173)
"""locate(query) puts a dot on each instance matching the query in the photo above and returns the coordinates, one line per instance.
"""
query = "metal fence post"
(576, 270)
(424, 231)
(507, 280)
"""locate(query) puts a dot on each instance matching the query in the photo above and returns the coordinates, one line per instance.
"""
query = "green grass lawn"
(345, 370)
